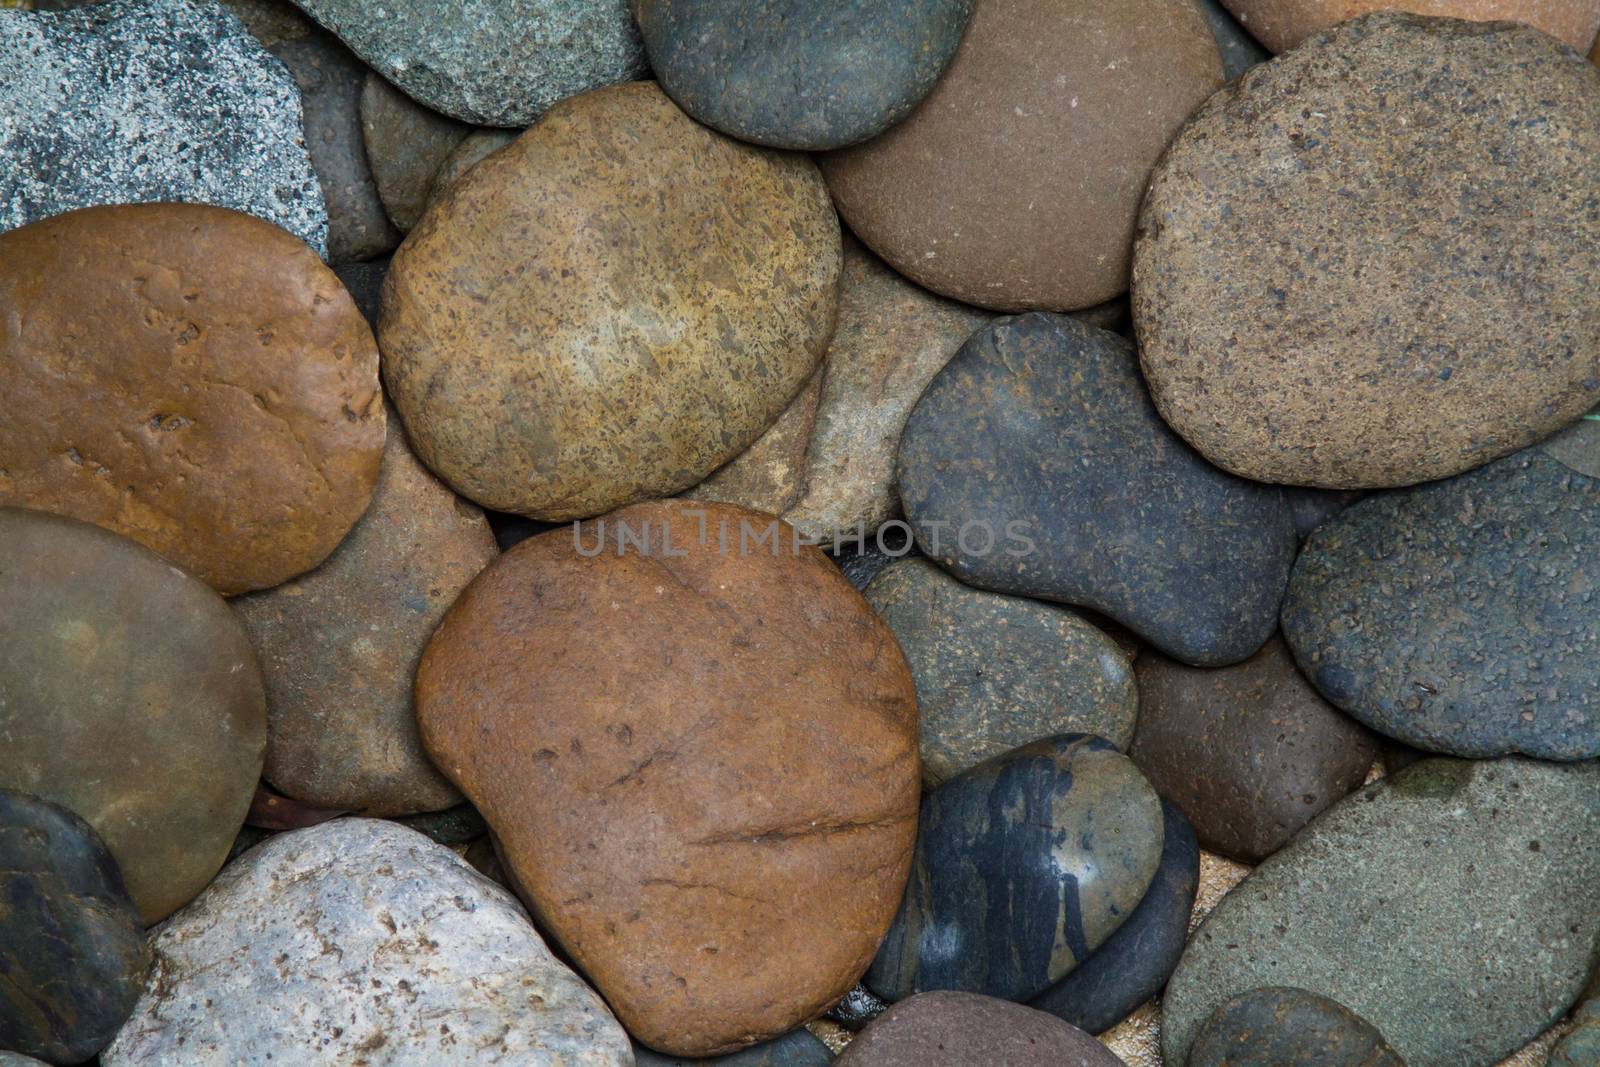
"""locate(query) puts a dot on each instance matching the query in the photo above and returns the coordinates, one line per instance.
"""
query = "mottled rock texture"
(688, 745)
(1282, 24)
(406, 144)
(798, 74)
(138, 100)
(361, 942)
(495, 62)
(72, 951)
(963, 1029)
(339, 646)
(203, 385)
(1016, 183)
(995, 672)
(1451, 159)
(768, 475)
(1036, 465)
(1280, 1027)
(129, 695)
(675, 311)
(1453, 906)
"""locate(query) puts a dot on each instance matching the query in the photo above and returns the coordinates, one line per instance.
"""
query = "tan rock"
(768, 476)
(192, 377)
(472, 150)
(1282, 24)
(609, 308)
(700, 764)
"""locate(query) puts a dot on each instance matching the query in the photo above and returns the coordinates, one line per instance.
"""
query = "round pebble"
(1282, 24)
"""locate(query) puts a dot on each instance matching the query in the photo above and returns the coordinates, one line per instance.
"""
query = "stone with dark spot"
(795, 73)
(1135, 962)
(1280, 1027)
(72, 952)
(1251, 753)
(1453, 906)
(995, 672)
(698, 755)
(1036, 465)
(1267, 341)
(1459, 616)
(797, 1048)
(946, 1029)
(205, 386)
(1283, 24)
(406, 145)
(1240, 51)
(671, 314)
(130, 695)
(1024, 866)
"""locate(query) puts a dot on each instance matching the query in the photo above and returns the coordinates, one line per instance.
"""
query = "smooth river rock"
(1015, 185)
(1024, 866)
(203, 385)
(406, 144)
(1265, 340)
(1282, 24)
(768, 475)
(1251, 753)
(995, 672)
(1453, 906)
(798, 74)
(946, 1029)
(339, 646)
(698, 755)
(676, 309)
(130, 695)
(361, 942)
(1459, 616)
(1279, 1027)
(1581, 1047)
(71, 947)
(794, 1049)
(495, 62)
(1035, 465)
(131, 101)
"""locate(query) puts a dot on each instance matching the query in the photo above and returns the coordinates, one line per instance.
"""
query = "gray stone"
(1240, 51)
(1282, 1027)
(132, 101)
(995, 672)
(797, 1048)
(1453, 906)
(406, 143)
(1581, 1047)
(494, 62)
(359, 941)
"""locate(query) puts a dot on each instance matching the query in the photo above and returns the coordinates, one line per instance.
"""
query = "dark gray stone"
(797, 73)
(1459, 616)
(452, 826)
(857, 1008)
(72, 953)
(364, 282)
(131, 101)
(1040, 433)
(1281, 1027)
(794, 1049)
(1240, 51)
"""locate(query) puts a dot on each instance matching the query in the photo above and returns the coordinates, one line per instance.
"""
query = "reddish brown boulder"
(191, 377)
(1281, 24)
(699, 757)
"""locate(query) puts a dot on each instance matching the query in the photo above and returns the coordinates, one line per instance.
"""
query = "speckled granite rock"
(1031, 828)
(339, 646)
(1280, 1027)
(1135, 962)
(130, 695)
(1251, 753)
(767, 475)
(109, 105)
(1459, 616)
(1240, 51)
(237, 421)
(946, 1029)
(533, 391)
(406, 144)
(72, 951)
(325, 946)
(1581, 1047)
(1039, 440)
(1453, 906)
(1016, 184)
(794, 1049)
(995, 672)
(798, 74)
(1289, 364)
(1282, 24)
(495, 62)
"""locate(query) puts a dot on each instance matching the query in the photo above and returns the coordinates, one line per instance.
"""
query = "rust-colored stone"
(608, 308)
(191, 377)
(1281, 24)
(701, 764)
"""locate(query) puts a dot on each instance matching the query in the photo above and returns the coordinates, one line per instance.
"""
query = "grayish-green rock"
(406, 143)
(797, 1048)
(1581, 1047)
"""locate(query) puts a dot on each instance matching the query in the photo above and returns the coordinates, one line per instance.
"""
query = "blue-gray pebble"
(797, 1048)
(1240, 51)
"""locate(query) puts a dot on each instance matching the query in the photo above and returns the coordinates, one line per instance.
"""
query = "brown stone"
(1282, 24)
(191, 377)
(701, 764)
(406, 145)
(609, 308)
(1371, 262)
(1249, 753)
(130, 695)
(339, 646)
(767, 476)
(1014, 185)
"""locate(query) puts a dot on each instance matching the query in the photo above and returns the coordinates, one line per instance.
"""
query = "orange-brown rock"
(608, 308)
(191, 377)
(1281, 24)
(699, 757)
